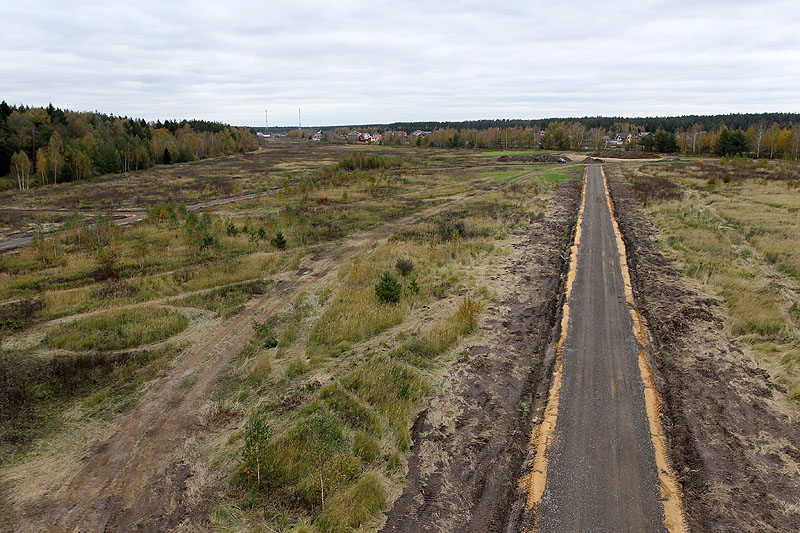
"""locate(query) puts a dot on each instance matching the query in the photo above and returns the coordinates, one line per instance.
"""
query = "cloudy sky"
(374, 62)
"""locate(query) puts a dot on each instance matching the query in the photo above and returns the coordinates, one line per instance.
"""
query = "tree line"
(47, 145)
(733, 121)
(760, 140)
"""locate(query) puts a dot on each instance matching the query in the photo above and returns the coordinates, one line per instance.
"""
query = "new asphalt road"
(601, 473)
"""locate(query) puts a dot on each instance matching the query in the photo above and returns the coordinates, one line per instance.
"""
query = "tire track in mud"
(134, 479)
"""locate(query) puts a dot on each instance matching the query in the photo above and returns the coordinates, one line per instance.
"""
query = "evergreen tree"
(665, 141)
(166, 157)
(731, 143)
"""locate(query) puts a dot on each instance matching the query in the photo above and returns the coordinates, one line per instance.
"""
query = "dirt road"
(595, 458)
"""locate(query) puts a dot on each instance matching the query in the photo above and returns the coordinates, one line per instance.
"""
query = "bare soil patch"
(624, 154)
(470, 442)
(732, 436)
(535, 158)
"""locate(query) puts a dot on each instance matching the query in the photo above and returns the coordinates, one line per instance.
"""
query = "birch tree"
(21, 166)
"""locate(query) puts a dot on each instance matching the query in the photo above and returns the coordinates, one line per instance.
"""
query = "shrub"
(231, 229)
(404, 266)
(388, 289)
(265, 333)
(258, 458)
(413, 286)
(278, 241)
(466, 318)
(454, 230)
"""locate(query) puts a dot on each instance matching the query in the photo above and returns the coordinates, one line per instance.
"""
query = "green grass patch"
(444, 335)
(120, 329)
(557, 175)
(351, 508)
(393, 388)
(226, 301)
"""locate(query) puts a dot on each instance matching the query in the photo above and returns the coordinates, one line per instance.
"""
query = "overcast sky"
(378, 62)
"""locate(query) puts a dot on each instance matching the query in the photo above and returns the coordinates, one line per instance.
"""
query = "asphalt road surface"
(601, 473)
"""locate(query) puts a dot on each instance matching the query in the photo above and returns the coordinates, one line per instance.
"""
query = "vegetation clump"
(359, 161)
(366, 447)
(449, 230)
(120, 329)
(388, 289)
(228, 300)
(278, 241)
(266, 334)
(404, 266)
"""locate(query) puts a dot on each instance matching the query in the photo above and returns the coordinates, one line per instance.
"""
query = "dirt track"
(133, 479)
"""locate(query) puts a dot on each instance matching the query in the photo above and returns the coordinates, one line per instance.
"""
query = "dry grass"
(739, 238)
(339, 423)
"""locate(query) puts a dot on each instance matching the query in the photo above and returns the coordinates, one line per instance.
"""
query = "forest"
(734, 121)
(47, 145)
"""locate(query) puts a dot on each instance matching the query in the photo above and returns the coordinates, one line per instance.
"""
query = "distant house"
(353, 136)
(643, 134)
(419, 133)
(364, 138)
(317, 136)
(376, 138)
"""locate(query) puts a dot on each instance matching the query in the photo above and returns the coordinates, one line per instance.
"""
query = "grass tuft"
(351, 508)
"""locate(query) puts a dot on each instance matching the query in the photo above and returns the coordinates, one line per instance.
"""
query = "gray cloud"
(356, 62)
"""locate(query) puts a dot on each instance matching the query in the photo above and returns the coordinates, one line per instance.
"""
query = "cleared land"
(266, 386)
(324, 354)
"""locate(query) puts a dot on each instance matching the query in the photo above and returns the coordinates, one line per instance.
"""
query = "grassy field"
(332, 402)
(92, 317)
(734, 226)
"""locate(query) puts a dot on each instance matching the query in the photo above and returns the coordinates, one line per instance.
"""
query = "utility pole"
(299, 122)
(266, 116)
